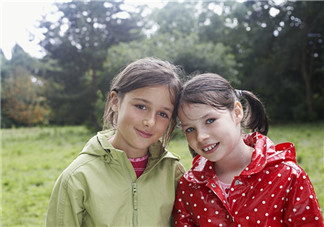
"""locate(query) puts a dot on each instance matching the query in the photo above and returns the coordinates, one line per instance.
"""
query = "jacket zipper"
(134, 189)
(134, 192)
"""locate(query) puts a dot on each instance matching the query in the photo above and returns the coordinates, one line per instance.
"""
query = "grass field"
(32, 159)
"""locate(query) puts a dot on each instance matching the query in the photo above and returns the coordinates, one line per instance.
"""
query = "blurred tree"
(21, 58)
(187, 51)
(300, 32)
(22, 92)
(4, 70)
(175, 39)
(22, 100)
(176, 18)
(180, 25)
(275, 50)
(79, 42)
(279, 49)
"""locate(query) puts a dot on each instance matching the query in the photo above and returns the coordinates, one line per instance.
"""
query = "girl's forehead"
(157, 95)
(192, 111)
(190, 106)
(149, 90)
(196, 111)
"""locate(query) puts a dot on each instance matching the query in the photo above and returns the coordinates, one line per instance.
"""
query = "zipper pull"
(134, 196)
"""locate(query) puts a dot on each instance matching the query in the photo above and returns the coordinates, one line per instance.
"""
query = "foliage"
(185, 51)
(22, 99)
(22, 94)
(280, 53)
(175, 18)
(79, 42)
(22, 59)
(253, 48)
(273, 49)
(173, 41)
(99, 109)
(33, 158)
(178, 37)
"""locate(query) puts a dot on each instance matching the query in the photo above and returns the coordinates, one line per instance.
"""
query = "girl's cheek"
(190, 140)
(164, 123)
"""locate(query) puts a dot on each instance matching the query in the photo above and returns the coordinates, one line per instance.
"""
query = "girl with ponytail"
(238, 178)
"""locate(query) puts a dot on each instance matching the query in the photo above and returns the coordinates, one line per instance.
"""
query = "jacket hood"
(99, 145)
(265, 153)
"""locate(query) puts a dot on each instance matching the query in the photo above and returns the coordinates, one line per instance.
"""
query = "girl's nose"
(202, 135)
(149, 121)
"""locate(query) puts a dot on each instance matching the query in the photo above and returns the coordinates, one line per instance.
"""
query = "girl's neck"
(231, 166)
(130, 152)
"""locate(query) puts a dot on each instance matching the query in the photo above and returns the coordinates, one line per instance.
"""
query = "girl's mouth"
(210, 148)
(144, 134)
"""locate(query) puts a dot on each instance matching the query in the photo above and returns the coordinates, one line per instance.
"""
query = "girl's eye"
(209, 121)
(142, 107)
(164, 115)
(190, 129)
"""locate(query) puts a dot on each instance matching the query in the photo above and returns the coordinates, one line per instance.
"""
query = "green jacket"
(100, 188)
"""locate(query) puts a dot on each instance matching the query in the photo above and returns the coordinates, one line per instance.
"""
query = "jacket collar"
(99, 145)
(265, 152)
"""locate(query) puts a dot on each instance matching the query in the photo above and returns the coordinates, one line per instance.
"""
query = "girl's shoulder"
(79, 166)
(201, 171)
(91, 152)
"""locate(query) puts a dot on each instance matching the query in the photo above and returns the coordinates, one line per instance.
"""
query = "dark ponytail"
(255, 117)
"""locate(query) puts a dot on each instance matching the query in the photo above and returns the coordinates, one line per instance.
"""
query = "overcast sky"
(19, 23)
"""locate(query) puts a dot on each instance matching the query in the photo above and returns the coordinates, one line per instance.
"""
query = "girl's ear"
(113, 101)
(238, 111)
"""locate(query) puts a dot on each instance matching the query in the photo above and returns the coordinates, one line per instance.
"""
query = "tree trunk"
(93, 118)
(307, 76)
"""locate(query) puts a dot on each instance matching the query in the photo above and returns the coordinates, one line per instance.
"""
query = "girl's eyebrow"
(148, 102)
(203, 117)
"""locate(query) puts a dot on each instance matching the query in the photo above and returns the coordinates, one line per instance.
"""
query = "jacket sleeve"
(302, 207)
(65, 206)
(179, 171)
(181, 216)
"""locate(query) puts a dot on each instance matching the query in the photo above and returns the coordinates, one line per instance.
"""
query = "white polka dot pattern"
(272, 191)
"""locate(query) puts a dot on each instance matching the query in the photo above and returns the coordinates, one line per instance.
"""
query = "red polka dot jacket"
(272, 191)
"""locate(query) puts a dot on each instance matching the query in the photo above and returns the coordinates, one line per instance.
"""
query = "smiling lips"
(210, 148)
(144, 134)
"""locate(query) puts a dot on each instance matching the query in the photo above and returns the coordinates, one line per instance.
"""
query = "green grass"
(32, 159)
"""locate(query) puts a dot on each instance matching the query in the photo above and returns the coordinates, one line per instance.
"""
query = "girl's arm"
(65, 206)
(302, 207)
(181, 217)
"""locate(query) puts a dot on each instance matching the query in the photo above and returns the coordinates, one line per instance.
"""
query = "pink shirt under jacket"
(272, 191)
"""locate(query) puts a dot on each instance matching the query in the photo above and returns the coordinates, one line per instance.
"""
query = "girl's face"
(143, 116)
(212, 133)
